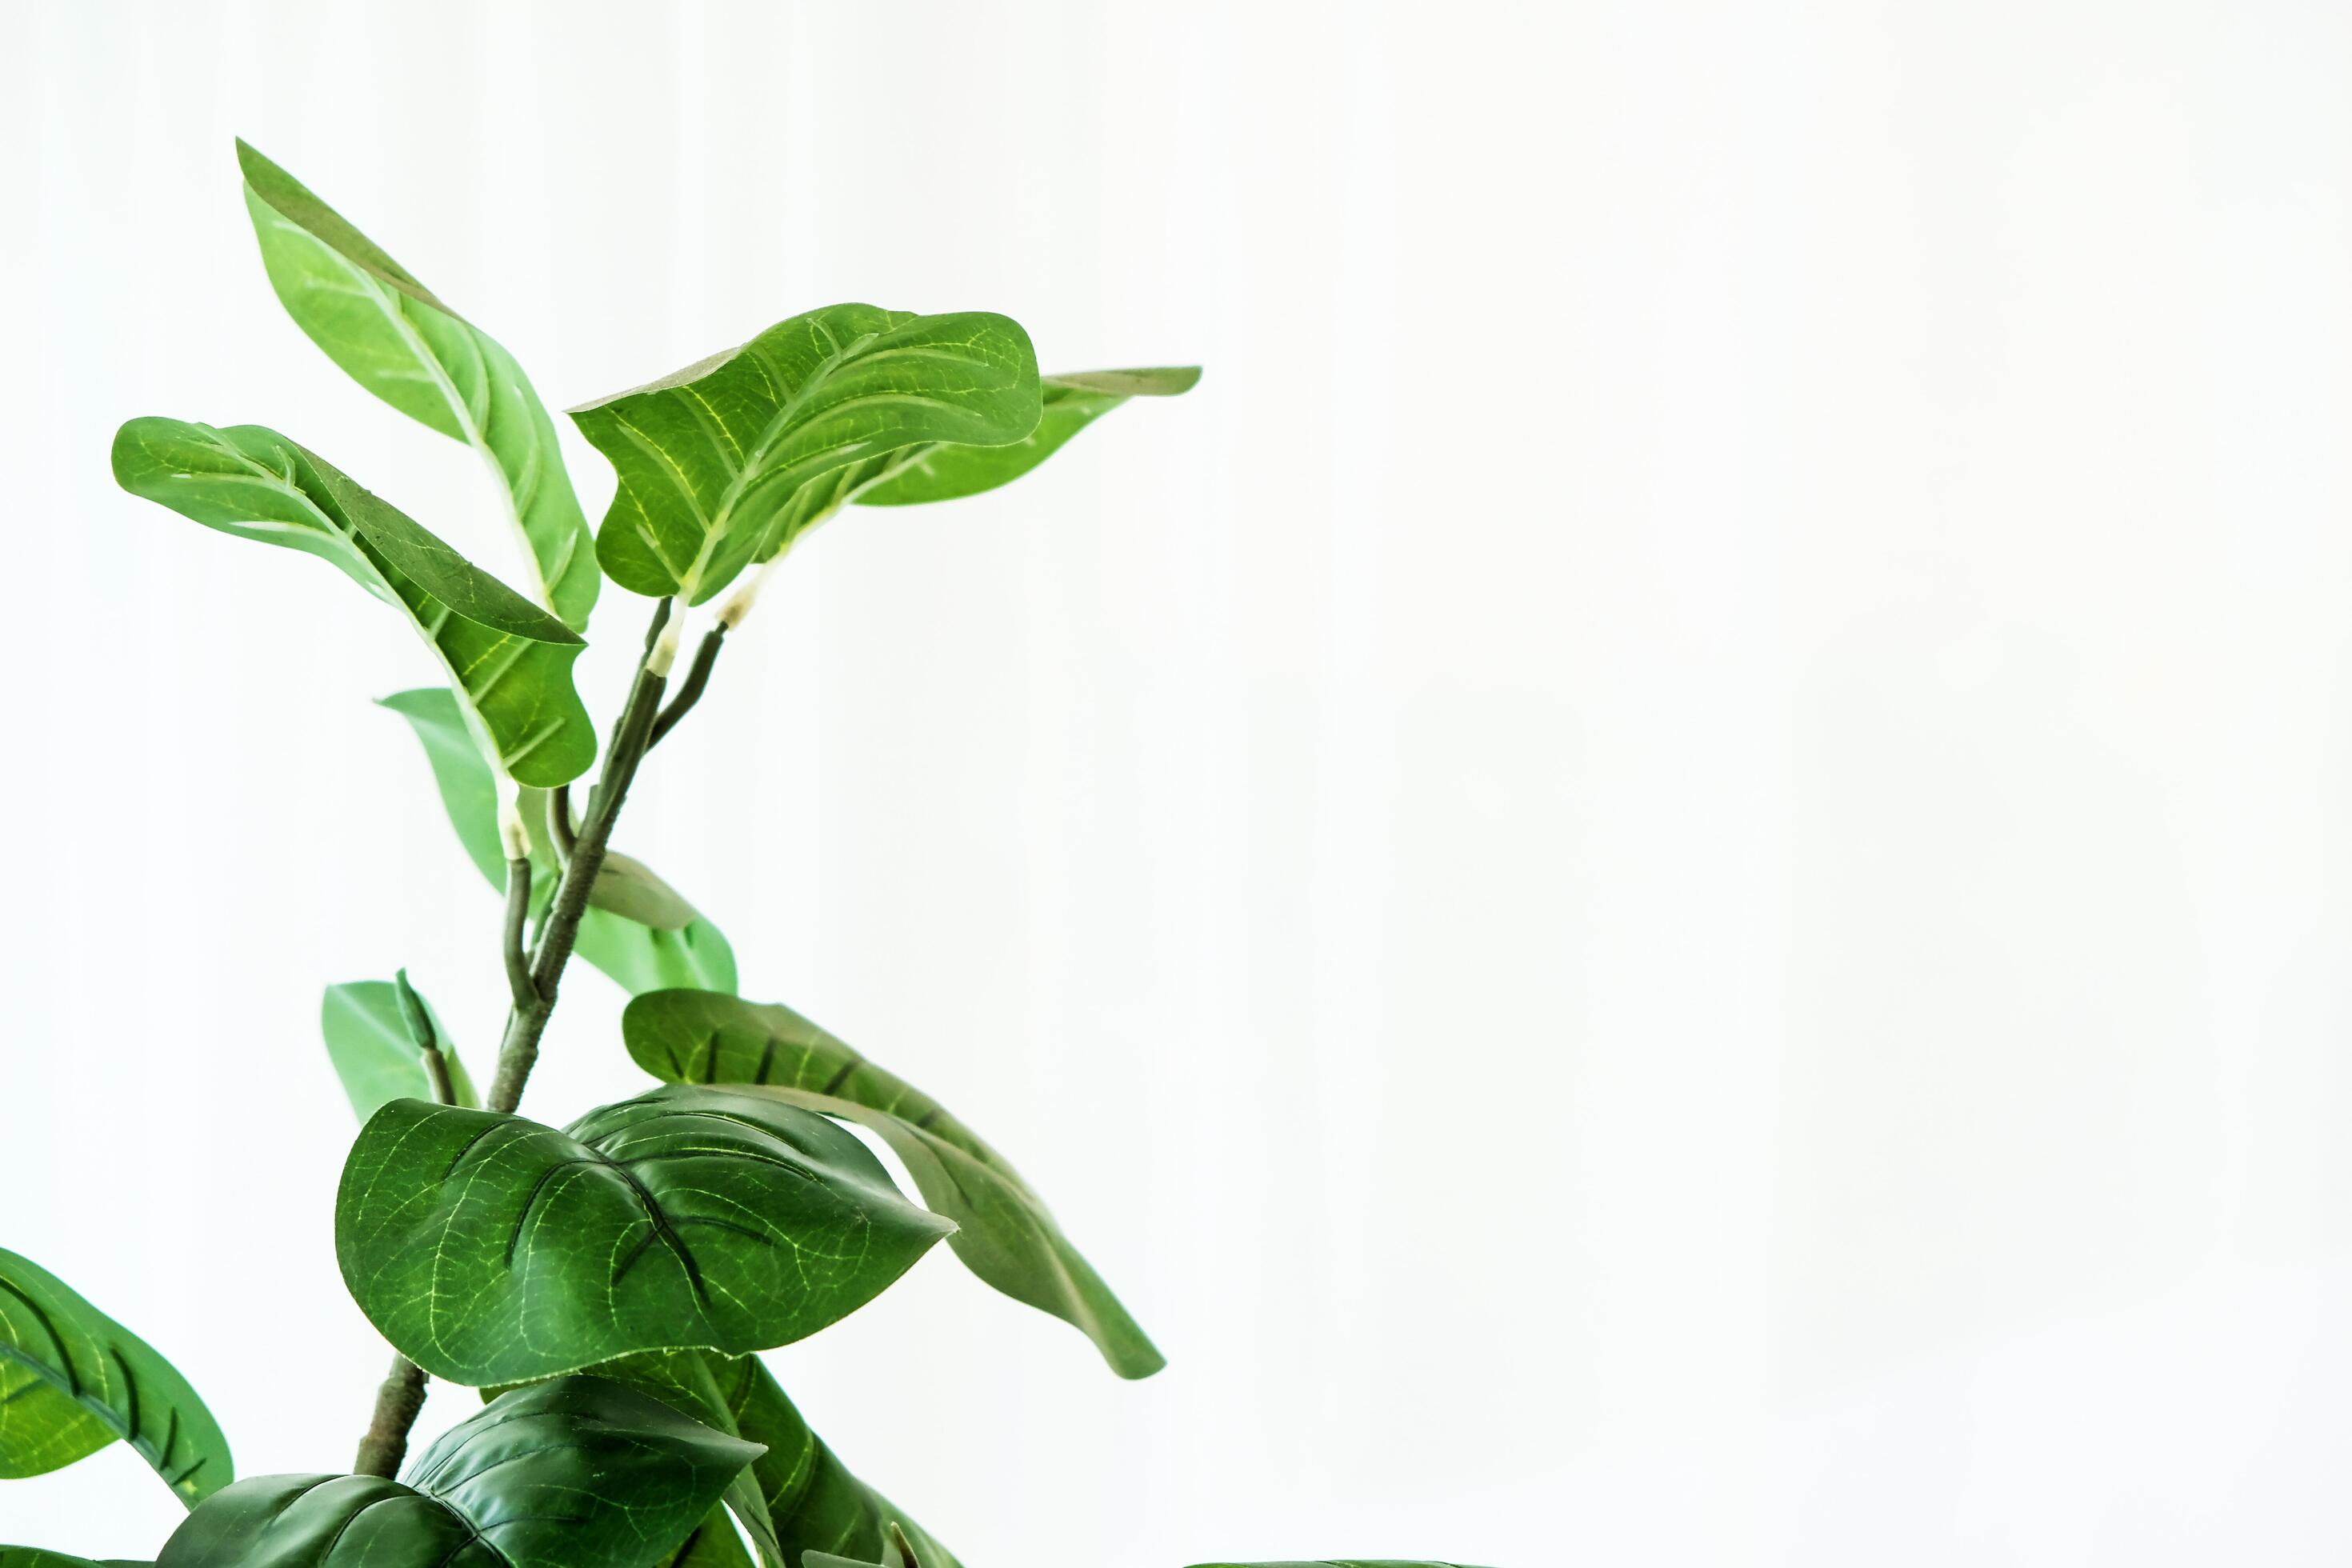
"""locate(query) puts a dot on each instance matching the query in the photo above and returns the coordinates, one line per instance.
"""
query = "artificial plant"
(607, 1283)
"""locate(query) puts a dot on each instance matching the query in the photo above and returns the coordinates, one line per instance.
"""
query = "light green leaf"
(469, 790)
(396, 340)
(73, 1380)
(492, 1249)
(373, 1053)
(1004, 1234)
(639, 957)
(945, 472)
(711, 458)
(510, 659)
(577, 1473)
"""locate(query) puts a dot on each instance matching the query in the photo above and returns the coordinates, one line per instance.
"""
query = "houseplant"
(606, 1284)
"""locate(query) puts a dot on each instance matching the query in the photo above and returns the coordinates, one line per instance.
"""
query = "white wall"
(1668, 883)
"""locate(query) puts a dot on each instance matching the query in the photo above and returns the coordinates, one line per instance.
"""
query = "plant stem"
(518, 981)
(534, 978)
(689, 690)
(396, 1404)
(559, 930)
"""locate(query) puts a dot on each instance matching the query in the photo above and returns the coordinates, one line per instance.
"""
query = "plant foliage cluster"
(608, 1282)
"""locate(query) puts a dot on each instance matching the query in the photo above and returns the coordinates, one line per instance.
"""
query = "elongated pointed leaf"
(384, 328)
(577, 1473)
(73, 1380)
(685, 1380)
(492, 1249)
(710, 459)
(808, 1501)
(511, 660)
(374, 1055)
(1071, 403)
(1004, 1233)
(639, 957)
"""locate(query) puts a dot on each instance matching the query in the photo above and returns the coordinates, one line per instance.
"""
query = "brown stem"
(396, 1404)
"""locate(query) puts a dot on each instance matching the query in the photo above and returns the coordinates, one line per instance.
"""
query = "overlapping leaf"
(1004, 1234)
(640, 957)
(394, 338)
(581, 1472)
(492, 1249)
(73, 1380)
(710, 459)
(510, 659)
(373, 1053)
(802, 1497)
(1070, 403)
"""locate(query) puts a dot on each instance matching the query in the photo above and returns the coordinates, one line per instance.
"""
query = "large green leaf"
(35, 1557)
(408, 348)
(805, 1499)
(710, 459)
(73, 1380)
(512, 660)
(1071, 403)
(374, 1055)
(1004, 1234)
(492, 1249)
(577, 1473)
(639, 956)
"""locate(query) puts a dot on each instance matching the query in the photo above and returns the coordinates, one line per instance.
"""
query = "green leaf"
(577, 1473)
(373, 1052)
(683, 1380)
(713, 1545)
(35, 1557)
(640, 957)
(1004, 1234)
(1071, 403)
(710, 459)
(807, 1500)
(510, 659)
(72, 1380)
(396, 340)
(469, 790)
(492, 1249)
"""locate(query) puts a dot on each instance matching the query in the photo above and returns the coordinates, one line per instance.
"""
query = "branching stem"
(533, 975)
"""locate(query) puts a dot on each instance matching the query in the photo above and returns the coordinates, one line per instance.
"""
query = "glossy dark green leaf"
(577, 1473)
(708, 459)
(492, 1249)
(374, 1055)
(712, 1544)
(73, 1380)
(384, 328)
(808, 1501)
(683, 1380)
(638, 957)
(510, 659)
(1071, 403)
(1005, 1234)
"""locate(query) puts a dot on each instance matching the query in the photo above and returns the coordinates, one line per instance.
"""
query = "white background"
(1668, 883)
